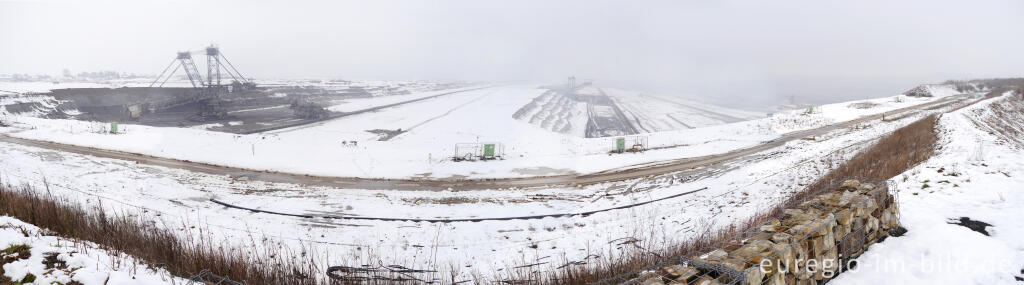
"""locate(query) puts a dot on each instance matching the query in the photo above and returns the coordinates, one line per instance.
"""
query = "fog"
(742, 53)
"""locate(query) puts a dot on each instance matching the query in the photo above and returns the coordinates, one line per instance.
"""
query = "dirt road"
(635, 171)
(301, 124)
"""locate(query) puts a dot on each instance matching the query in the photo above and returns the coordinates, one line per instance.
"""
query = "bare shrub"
(182, 254)
(890, 156)
(1005, 118)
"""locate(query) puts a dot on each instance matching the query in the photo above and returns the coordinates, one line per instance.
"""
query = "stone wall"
(809, 243)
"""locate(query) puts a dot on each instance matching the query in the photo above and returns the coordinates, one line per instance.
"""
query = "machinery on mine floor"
(478, 151)
(208, 91)
(630, 144)
(309, 110)
(572, 86)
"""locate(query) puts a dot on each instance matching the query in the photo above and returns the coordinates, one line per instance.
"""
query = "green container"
(489, 150)
(113, 127)
(620, 144)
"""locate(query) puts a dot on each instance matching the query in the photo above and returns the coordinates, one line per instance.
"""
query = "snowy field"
(572, 114)
(374, 87)
(73, 260)
(488, 248)
(7, 88)
(350, 105)
(974, 174)
(430, 129)
(660, 113)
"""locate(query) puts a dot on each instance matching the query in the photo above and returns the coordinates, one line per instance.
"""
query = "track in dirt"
(568, 180)
(307, 124)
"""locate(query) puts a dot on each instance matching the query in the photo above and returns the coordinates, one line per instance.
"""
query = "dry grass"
(164, 248)
(890, 156)
(1005, 117)
(645, 255)
(186, 251)
(181, 253)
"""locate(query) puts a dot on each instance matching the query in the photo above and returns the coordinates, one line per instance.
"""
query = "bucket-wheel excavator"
(208, 92)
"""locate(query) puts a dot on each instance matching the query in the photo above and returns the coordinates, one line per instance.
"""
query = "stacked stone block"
(808, 243)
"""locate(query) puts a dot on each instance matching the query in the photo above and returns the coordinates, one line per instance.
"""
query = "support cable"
(233, 67)
(170, 75)
(162, 73)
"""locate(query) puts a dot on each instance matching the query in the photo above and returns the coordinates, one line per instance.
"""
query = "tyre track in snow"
(306, 124)
(442, 220)
(468, 184)
(439, 116)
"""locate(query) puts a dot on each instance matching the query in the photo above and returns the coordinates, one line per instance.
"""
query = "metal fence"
(206, 277)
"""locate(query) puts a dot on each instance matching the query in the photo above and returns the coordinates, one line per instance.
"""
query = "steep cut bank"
(34, 105)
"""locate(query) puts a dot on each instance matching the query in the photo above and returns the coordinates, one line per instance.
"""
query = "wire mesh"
(206, 277)
(799, 243)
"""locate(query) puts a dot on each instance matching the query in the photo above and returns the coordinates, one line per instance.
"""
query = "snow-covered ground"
(658, 113)
(376, 88)
(733, 192)
(944, 89)
(974, 174)
(569, 114)
(430, 131)
(823, 115)
(45, 86)
(373, 87)
(181, 81)
(356, 104)
(32, 105)
(71, 260)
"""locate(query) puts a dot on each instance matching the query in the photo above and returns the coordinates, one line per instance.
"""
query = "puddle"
(974, 225)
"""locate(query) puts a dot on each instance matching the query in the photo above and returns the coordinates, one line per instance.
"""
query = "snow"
(46, 86)
(42, 87)
(259, 109)
(555, 112)
(41, 105)
(86, 262)
(939, 90)
(431, 128)
(974, 174)
(659, 113)
(356, 104)
(823, 115)
(569, 114)
(734, 192)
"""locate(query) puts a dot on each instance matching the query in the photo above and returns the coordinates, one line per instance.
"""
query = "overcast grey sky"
(728, 51)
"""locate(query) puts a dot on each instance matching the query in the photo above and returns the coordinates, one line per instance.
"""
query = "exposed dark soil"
(51, 261)
(12, 254)
(974, 225)
(898, 232)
